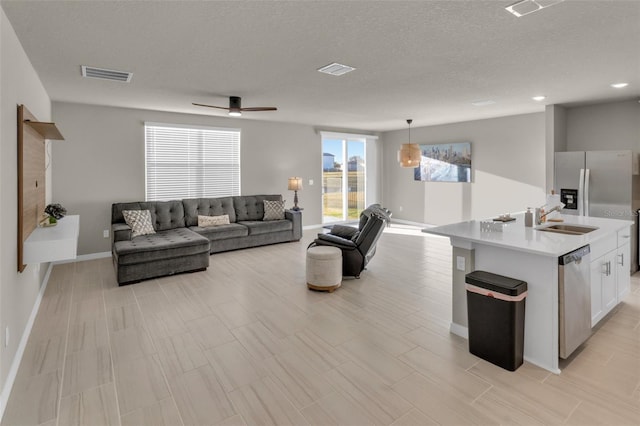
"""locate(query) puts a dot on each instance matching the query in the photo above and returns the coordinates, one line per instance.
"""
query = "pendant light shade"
(409, 154)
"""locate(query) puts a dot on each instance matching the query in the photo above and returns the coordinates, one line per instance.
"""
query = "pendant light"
(409, 154)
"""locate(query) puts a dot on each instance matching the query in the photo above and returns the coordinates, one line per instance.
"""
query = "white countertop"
(518, 237)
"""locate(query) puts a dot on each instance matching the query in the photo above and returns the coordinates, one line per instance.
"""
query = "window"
(191, 161)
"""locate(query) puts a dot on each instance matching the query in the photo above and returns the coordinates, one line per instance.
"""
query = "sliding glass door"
(343, 178)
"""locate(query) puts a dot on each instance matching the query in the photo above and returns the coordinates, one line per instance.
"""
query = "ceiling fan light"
(235, 113)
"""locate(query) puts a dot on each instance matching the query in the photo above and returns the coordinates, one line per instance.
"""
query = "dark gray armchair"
(358, 245)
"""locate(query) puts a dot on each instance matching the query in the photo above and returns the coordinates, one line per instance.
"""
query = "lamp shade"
(409, 155)
(295, 183)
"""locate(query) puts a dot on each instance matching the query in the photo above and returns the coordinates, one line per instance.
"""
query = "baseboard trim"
(83, 257)
(459, 330)
(408, 222)
(17, 359)
(308, 227)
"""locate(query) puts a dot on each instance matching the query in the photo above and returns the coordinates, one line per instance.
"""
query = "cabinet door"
(598, 268)
(609, 285)
(623, 266)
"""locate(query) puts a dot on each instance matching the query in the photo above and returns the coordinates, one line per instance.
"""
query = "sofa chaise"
(178, 244)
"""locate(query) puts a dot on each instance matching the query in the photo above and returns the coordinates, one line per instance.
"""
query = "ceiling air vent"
(336, 69)
(105, 74)
(526, 7)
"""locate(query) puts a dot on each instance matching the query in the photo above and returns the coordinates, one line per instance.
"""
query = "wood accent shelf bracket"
(31, 174)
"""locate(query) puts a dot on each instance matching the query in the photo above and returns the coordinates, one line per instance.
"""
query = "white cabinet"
(610, 273)
(603, 286)
(54, 243)
(623, 265)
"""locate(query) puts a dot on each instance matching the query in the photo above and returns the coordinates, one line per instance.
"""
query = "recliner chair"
(358, 245)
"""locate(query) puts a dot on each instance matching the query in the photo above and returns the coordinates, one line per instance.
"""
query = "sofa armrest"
(120, 232)
(296, 218)
(334, 240)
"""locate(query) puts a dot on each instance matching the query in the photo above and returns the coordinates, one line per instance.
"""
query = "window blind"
(191, 162)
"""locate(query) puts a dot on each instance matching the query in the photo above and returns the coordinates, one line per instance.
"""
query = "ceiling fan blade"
(210, 106)
(259, 109)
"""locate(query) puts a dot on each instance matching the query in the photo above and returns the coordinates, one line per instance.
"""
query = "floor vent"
(105, 74)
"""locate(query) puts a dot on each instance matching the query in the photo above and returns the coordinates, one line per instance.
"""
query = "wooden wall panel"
(31, 179)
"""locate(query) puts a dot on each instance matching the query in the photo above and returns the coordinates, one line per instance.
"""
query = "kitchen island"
(531, 255)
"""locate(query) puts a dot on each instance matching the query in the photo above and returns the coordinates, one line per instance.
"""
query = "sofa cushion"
(251, 207)
(258, 227)
(193, 207)
(222, 232)
(139, 221)
(161, 245)
(164, 214)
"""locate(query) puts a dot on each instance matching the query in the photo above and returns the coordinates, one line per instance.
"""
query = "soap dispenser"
(528, 218)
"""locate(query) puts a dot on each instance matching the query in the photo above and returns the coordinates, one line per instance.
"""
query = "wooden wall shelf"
(46, 130)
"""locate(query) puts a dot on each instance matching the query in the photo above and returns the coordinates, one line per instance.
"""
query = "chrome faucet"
(538, 216)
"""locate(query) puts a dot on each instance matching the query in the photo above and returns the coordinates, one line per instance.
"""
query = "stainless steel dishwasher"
(574, 300)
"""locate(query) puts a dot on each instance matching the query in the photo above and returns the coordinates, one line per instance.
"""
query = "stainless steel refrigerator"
(601, 184)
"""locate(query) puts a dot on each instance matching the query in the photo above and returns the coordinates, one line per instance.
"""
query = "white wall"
(19, 84)
(606, 126)
(102, 162)
(508, 171)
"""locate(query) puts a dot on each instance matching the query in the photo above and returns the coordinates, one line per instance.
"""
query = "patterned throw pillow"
(139, 221)
(273, 210)
(207, 221)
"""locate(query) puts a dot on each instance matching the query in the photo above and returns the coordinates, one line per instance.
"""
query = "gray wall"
(508, 171)
(102, 162)
(19, 84)
(606, 126)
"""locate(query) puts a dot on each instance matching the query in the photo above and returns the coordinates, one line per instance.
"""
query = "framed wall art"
(447, 162)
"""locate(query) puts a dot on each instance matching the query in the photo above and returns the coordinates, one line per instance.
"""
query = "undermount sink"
(569, 229)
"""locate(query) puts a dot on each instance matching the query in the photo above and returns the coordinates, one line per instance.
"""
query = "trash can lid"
(496, 283)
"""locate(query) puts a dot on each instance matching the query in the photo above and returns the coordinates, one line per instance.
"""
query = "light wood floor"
(246, 343)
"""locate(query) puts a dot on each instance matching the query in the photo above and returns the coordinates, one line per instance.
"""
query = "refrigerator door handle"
(586, 191)
(581, 193)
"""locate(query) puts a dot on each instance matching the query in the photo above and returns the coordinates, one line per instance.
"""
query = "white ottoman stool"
(324, 268)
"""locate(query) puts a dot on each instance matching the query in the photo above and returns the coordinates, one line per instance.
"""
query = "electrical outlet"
(460, 263)
(310, 182)
(105, 233)
(6, 337)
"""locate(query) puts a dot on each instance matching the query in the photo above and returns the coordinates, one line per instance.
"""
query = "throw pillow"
(273, 210)
(139, 221)
(208, 221)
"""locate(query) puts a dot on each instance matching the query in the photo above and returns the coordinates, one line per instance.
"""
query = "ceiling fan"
(235, 107)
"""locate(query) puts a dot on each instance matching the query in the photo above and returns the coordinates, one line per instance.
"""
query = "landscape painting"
(450, 162)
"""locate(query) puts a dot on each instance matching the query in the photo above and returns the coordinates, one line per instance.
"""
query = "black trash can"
(495, 310)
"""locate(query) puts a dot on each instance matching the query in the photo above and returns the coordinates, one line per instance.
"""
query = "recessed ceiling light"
(539, 98)
(526, 7)
(336, 69)
(483, 102)
(619, 85)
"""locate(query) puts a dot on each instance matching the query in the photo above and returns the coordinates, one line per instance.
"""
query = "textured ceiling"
(426, 60)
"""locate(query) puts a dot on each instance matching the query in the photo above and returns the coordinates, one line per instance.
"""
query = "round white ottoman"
(324, 268)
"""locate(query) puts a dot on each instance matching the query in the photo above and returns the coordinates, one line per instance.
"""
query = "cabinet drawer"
(624, 236)
(603, 245)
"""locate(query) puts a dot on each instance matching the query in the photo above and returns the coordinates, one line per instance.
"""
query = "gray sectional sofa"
(180, 245)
